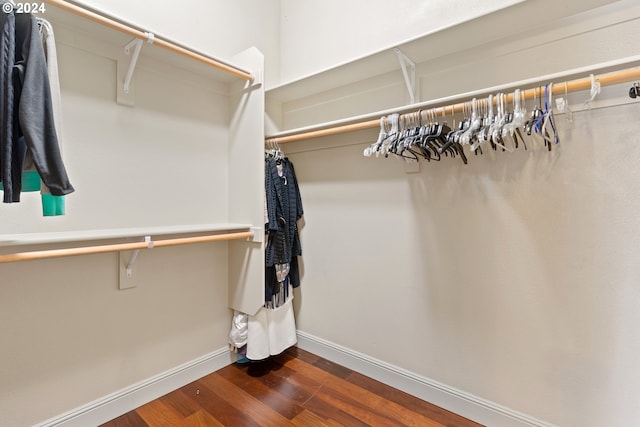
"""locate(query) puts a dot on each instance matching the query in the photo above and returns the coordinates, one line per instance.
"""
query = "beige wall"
(357, 28)
(69, 335)
(513, 278)
(123, 161)
(219, 28)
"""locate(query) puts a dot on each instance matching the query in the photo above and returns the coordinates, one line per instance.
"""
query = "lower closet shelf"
(115, 233)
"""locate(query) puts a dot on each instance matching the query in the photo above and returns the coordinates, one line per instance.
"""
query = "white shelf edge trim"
(120, 20)
(595, 68)
(390, 47)
(115, 233)
(447, 397)
(113, 405)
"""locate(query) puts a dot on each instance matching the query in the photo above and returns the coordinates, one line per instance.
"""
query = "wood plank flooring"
(296, 389)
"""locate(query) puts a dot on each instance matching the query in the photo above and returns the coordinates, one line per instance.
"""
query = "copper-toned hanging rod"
(111, 23)
(606, 79)
(86, 250)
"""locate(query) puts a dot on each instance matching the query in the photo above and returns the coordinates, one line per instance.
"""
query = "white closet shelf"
(72, 27)
(116, 233)
(608, 73)
(519, 17)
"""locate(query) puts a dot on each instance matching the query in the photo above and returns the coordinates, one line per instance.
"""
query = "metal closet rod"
(86, 250)
(576, 85)
(111, 23)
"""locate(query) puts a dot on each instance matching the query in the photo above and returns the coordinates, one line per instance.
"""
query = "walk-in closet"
(325, 208)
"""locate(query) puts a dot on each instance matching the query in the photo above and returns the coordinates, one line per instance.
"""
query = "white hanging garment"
(271, 331)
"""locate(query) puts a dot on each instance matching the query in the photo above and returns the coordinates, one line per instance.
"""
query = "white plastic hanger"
(595, 91)
(474, 123)
(373, 148)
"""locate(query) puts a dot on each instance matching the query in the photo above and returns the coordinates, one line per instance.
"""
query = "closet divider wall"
(180, 158)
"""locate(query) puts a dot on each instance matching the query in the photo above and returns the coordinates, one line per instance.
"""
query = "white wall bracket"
(409, 72)
(125, 80)
(131, 263)
(137, 45)
(258, 234)
(127, 267)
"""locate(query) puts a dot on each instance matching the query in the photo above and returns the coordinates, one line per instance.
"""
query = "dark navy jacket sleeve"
(7, 103)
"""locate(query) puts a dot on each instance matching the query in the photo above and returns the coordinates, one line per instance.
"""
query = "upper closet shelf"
(116, 233)
(436, 42)
(117, 31)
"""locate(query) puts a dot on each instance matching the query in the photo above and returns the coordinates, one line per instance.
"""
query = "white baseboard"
(112, 406)
(465, 404)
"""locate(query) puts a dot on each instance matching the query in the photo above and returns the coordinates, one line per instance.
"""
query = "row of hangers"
(273, 151)
(487, 124)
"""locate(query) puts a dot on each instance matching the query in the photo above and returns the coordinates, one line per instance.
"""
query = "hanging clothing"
(284, 209)
(7, 104)
(31, 182)
(272, 329)
(26, 112)
(52, 205)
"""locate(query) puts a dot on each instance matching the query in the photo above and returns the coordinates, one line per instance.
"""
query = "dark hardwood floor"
(296, 388)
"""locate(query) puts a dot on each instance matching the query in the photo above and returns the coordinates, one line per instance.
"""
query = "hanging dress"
(272, 329)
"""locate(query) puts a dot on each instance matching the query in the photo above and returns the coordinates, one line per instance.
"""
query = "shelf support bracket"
(126, 88)
(127, 279)
(408, 68)
(136, 44)
(132, 262)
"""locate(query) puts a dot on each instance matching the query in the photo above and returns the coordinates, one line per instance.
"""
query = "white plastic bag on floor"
(239, 329)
